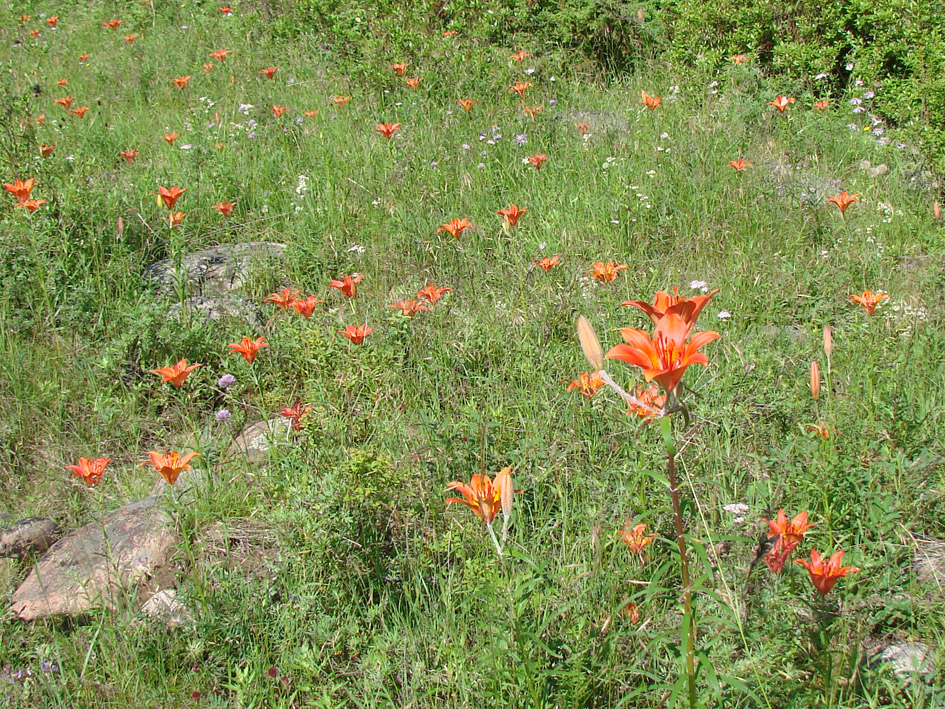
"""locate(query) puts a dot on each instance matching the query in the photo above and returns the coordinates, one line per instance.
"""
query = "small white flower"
(821, 76)
(357, 248)
(244, 108)
(737, 508)
(186, 146)
(542, 246)
(529, 71)
(724, 315)
(699, 285)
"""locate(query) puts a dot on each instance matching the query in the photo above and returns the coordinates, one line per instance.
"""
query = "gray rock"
(32, 534)
(164, 607)
(220, 307)
(90, 568)
(222, 269)
(929, 563)
(255, 440)
(907, 659)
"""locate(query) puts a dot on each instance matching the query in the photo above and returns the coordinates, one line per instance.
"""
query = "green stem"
(498, 548)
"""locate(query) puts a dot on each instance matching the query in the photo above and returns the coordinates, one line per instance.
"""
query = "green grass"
(354, 580)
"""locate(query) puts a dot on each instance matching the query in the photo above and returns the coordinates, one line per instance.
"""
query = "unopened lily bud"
(828, 341)
(815, 380)
(937, 212)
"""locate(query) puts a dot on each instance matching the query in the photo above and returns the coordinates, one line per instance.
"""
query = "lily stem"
(498, 548)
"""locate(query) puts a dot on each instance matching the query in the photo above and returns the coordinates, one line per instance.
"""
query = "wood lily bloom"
(665, 357)
(112, 24)
(171, 464)
(387, 129)
(283, 299)
(649, 403)
(129, 155)
(306, 306)
(824, 574)
(651, 102)
(170, 196)
(295, 414)
(207, 68)
(512, 214)
(177, 373)
(635, 536)
(400, 68)
(821, 105)
(175, 219)
(843, 200)
(467, 104)
(65, 102)
(663, 303)
(586, 384)
(484, 496)
(606, 272)
(224, 208)
(869, 300)
(80, 111)
(171, 137)
(432, 293)
(582, 127)
(519, 56)
(356, 333)
(532, 111)
(347, 286)
(409, 308)
(52, 21)
(89, 469)
(46, 150)
(341, 101)
(520, 88)
(455, 227)
(181, 81)
(546, 263)
(781, 103)
(130, 38)
(538, 160)
(220, 54)
(789, 535)
(277, 111)
(30, 205)
(269, 71)
(20, 189)
(248, 347)
(739, 165)
(414, 82)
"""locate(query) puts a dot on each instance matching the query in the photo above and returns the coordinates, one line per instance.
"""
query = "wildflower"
(387, 129)
(347, 286)
(820, 429)
(635, 536)
(295, 414)
(432, 293)
(306, 306)
(112, 24)
(52, 20)
(467, 104)
(843, 200)
(869, 300)
(171, 464)
(226, 381)
(532, 111)
(30, 205)
(586, 384)
(546, 263)
(582, 127)
(269, 71)
(651, 102)
(170, 196)
(824, 574)
(130, 38)
(520, 56)
(520, 88)
(781, 103)
(46, 150)
(455, 227)
(20, 189)
(739, 59)
(277, 111)
(512, 214)
(220, 54)
(664, 357)
(400, 68)
(649, 402)
(739, 165)
(175, 219)
(41, 119)
(356, 333)
(181, 81)
(129, 155)
(249, 348)
(89, 469)
(177, 373)
(283, 299)
(80, 111)
(62, 82)
(84, 57)
(789, 535)
(222, 415)
(409, 307)
(226, 10)
(822, 105)
(171, 137)
(224, 208)
(538, 160)
(606, 272)
(310, 114)
(65, 102)
(815, 380)
(207, 68)
(414, 82)
(34, 33)
(485, 496)
(341, 101)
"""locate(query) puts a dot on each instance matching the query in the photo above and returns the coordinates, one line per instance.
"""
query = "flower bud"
(815, 380)
(828, 341)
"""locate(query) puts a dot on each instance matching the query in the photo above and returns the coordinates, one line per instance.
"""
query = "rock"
(32, 534)
(929, 563)
(89, 568)
(165, 607)
(907, 659)
(220, 307)
(254, 442)
(222, 269)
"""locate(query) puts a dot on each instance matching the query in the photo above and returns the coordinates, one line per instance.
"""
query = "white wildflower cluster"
(610, 162)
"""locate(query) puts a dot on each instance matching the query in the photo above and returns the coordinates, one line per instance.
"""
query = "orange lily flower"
(843, 200)
(347, 286)
(306, 306)
(34, 33)
(651, 402)
(519, 56)
(25, 18)
(171, 464)
(30, 205)
(277, 111)
(820, 429)
(220, 54)
(130, 38)
(62, 82)
(171, 137)
(781, 103)
(295, 414)
(739, 59)
(387, 129)
(112, 24)
(170, 196)
(84, 57)
(467, 103)
(177, 373)
(651, 102)
(400, 68)
(520, 88)
(484, 496)
(789, 535)
(89, 469)
(512, 214)
(129, 155)
(224, 208)
(226, 10)
(80, 111)
(824, 574)
(414, 82)
(181, 81)
(663, 303)
(455, 227)
(20, 189)
(450, 33)
(546, 263)
(46, 150)
(409, 307)
(341, 101)
(582, 127)
(739, 165)
(175, 219)
(635, 536)
(869, 300)
(207, 68)
(664, 357)
(269, 71)
(432, 293)
(65, 102)
(538, 160)
(587, 384)
(606, 272)
(40, 119)
(249, 348)
(310, 114)
(283, 299)
(52, 21)
(532, 111)
(821, 105)
(356, 333)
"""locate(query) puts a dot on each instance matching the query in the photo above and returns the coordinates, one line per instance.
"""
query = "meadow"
(330, 571)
